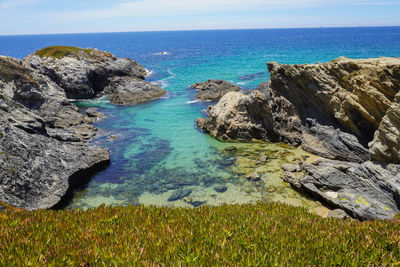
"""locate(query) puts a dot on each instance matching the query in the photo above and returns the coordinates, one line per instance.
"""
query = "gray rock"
(289, 167)
(231, 149)
(212, 90)
(254, 177)
(44, 151)
(331, 143)
(179, 194)
(130, 91)
(89, 73)
(220, 188)
(240, 117)
(197, 204)
(365, 191)
(338, 214)
(94, 113)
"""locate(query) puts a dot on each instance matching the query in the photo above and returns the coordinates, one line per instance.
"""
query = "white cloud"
(142, 8)
(17, 3)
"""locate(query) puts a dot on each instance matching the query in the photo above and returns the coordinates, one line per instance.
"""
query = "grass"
(62, 51)
(259, 235)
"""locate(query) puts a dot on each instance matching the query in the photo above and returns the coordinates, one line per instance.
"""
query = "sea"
(156, 149)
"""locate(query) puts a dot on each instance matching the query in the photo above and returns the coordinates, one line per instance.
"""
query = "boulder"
(213, 90)
(240, 117)
(365, 191)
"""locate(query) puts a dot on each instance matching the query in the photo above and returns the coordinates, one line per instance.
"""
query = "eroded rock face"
(212, 90)
(88, 72)
(351, 94)
(365, 191)
(43, 139)
(385, 147)
(240, 117)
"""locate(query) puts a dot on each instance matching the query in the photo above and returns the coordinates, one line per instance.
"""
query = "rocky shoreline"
(44, 139)
(346, 111)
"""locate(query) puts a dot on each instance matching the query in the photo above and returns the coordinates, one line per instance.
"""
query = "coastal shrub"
(257, 235)
(61, 51)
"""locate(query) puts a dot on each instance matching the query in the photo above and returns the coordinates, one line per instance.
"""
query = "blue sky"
(74, 16)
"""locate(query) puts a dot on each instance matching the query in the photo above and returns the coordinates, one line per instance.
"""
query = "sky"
(76, 16)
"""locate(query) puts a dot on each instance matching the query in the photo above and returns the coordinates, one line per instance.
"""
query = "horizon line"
(189, 30)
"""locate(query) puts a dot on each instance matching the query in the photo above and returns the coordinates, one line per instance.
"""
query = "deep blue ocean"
(156, 148)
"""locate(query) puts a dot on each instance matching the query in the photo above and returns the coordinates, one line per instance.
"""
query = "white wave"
(162, 53)
(194, 101)
(163, 83)
(149, 72)
(102, 99)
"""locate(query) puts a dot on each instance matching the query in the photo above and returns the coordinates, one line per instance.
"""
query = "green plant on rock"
(62, 51)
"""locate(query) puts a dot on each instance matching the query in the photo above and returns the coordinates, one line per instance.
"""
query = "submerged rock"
(254, 177)
(179, 194)
(197, 204)
(212, 90)
(220, 188)
(230, 149)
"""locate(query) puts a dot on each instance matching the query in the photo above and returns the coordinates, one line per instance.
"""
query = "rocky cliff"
(88, 73)
(44, 148)
(345, 110)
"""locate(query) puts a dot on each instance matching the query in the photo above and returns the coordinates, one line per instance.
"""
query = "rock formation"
(240, 117)
(365, 191)
(44, 150)
(332, 110)
(213, 90)
(88, 73)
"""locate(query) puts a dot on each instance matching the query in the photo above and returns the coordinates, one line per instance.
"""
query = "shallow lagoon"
(152, 157)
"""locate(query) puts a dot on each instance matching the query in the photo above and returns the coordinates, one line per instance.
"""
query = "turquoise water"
(156, 148)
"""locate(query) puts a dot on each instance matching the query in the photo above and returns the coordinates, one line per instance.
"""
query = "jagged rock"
(239, 116)
(88, 73)
(212, 90)
(352, 94)
(365, 191)
(331, 143)
(385, 146)
(44, 149)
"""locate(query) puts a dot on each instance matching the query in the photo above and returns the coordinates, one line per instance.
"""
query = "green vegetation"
(62, 51)
(261, 234)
